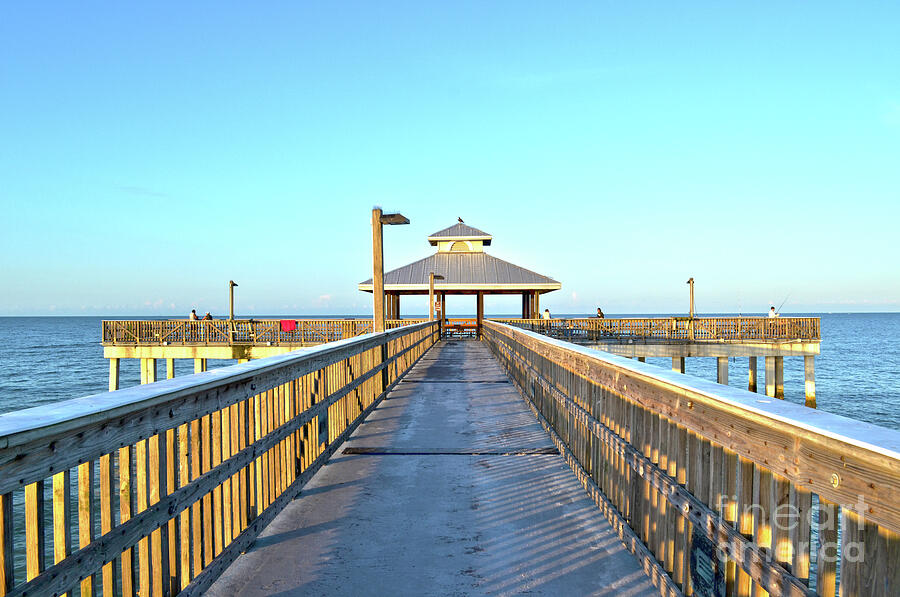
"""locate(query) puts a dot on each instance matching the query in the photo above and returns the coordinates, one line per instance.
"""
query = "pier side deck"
(454, 488)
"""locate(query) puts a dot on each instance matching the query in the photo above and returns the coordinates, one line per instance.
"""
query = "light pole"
(378, 220)
(691, 283)
(431, 278)
(231, 285)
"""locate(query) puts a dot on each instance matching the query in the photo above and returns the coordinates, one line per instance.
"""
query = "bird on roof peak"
(460, 220)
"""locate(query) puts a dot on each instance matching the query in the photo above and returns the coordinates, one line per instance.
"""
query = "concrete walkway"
(457, 491)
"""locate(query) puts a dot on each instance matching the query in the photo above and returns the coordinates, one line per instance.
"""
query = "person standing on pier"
(600, 313)
(772, 313)
(193, 316)
(546, 315)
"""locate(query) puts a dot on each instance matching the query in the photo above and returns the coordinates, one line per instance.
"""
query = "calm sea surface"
(48, 359)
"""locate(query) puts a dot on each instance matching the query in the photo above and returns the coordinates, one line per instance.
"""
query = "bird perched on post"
(460, 220)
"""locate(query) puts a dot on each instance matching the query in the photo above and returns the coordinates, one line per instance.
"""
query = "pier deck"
(454, 488)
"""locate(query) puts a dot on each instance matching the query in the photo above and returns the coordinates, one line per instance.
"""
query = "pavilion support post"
(722, 370)
(443, 306)
(751, 385)
(809, 373)
(113, 375)
(770, 377)
(479, 313)
(779, 377)
(537, 305)
(525, 310)
(678, 364)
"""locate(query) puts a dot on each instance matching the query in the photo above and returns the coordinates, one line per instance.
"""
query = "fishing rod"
(778, 310)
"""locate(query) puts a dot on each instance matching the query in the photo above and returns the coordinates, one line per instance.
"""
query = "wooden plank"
(216, 456)
(226, 485)
(170, 466)
(783, 520)
(7, 565)
(126, 495)
(746, 474)
(85, 518)
(851, 553)
(207, 513)
(762, 516)
(142, 502)
(196, 508)
(34, 529)
(668, 435)
(882, 576)
(257, 430)
(184, 519)
(62, 511)
(801, 502)
(109, 576)
(730, 513)
(682, 554)
(159, 540)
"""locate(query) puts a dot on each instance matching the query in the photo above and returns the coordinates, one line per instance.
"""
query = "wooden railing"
(742, 329)
(715, 486)
(460, 327)
(155, 489)
(242, 331)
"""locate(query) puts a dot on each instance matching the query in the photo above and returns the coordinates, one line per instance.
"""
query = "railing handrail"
(16, 426)
(863, 440)
(672, 460)
(682, 328)
(197, 465)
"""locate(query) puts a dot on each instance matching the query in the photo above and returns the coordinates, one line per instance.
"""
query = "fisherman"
(546, 315)
(193, 316)
(772, 313)
(600, 313)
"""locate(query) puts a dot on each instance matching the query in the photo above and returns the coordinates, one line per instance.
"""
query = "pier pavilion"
(462, 267)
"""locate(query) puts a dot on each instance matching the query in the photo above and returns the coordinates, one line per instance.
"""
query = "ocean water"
(48, 359)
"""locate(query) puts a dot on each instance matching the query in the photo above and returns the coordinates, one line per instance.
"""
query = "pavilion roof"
(460, 231)
(464, 271)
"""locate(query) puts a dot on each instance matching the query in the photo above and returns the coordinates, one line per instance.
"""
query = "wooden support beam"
(113, 374)
(770, 377)
(751, 384)
(678, 364)
(722, 370)
(809, 374)
(779, 377)
(479, 312)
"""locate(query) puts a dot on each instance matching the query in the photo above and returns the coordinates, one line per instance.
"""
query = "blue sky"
(149, 154)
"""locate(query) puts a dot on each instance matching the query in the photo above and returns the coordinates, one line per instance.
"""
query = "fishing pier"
(443, 456)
